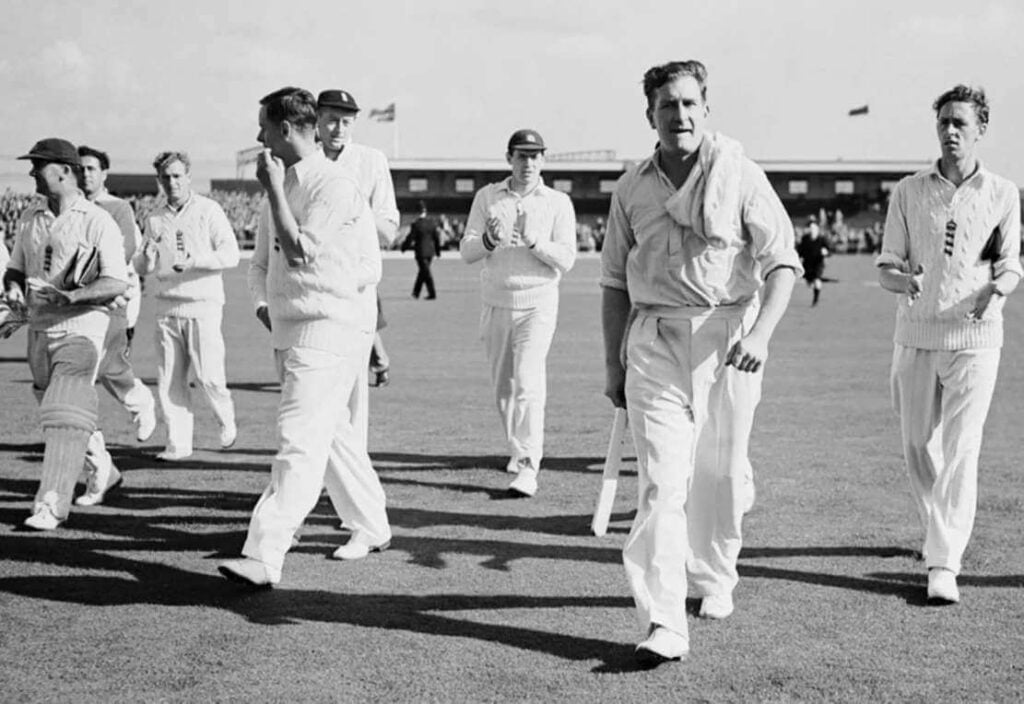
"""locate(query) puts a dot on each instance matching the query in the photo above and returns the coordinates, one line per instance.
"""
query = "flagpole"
(394, 138)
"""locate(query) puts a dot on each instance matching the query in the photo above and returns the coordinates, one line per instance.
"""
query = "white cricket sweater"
(199, 235)
(514, 275)
(945, 228)
(322, 301)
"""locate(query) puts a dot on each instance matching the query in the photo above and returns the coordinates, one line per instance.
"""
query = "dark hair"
(294, 105)
(165, 159)
(96, 154)
(965, 94)
(657, 76)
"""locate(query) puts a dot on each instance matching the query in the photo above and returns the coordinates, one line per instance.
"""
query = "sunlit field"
(484, 597)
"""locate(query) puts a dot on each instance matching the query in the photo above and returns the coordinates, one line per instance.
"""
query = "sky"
(135, 78)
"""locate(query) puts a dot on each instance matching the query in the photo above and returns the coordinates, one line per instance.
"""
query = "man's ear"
(649, 113)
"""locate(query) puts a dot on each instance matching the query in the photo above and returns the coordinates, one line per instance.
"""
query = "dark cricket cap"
(56, 150)
(340, 99)
(526, 140)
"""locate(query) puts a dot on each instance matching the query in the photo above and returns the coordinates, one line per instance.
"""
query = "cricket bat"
(610, 475)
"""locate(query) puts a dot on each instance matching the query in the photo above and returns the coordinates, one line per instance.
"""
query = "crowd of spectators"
(844, 236)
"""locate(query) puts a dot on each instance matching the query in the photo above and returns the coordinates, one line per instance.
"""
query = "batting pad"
(62, 463)
(69, 402)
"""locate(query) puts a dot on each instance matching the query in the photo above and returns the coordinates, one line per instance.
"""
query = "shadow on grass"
(162, 584)
(420, 461)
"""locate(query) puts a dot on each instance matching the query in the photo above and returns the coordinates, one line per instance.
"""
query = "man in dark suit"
(424, 239)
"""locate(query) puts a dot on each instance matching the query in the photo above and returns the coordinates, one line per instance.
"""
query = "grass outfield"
(487, 598)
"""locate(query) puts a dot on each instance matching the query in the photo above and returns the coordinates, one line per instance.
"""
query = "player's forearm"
(777, 290)
(101, 290)
(287, 227)
(893, 280)
(615, 307)
(387, 230)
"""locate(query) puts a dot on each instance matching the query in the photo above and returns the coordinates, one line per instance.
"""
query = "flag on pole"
(862, 110)
(386, 114)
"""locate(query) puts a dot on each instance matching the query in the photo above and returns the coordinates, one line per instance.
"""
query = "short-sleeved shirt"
(44, 247)
(662, 263)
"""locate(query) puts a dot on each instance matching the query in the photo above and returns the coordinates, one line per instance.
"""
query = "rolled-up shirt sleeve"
(896, 236)
(618, 241)
(769, 227)
(1009, 253)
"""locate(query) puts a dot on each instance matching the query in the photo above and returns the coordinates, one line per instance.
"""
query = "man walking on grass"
(68, 263)
(951, 250)
(116, 373)
(313, 280)
(697, 269)
(525, 234)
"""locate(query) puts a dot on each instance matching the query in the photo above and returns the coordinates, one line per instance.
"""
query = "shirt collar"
(184, 206)
(302, 168)
(507, 186)
(79, 204)
(979, 173)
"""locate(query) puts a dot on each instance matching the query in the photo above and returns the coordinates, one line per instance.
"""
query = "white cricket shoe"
(44, 514)
(942, 586)
(663, 645)
(717, 606)
(250, 572)
(512, 466)
(145, 424)
(170, 455)
(228, 435)
(525, 483)
(104, 479)
(359, 547)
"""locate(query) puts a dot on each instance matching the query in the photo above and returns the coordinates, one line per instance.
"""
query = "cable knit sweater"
(945, 228)
(320, 302)
(514, 275)
(198, 237)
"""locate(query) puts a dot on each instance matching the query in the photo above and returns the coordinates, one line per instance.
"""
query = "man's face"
(679, 114)
(93, 175)
(335, 127)
(958, 129)
(176, 182)
(526, 166)
(270, 135)
(48, 176)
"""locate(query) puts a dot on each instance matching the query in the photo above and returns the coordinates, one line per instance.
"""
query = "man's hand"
(915, 283)
(749, 354)
(118, 303)
(263, 313)
(615, 384)
(269, 170)
(182, 262)
(497, 232)
(982, 299)
(54, 296)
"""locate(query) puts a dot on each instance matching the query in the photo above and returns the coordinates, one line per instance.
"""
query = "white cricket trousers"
(942, 398)
(691, 418)
(318, 442)
(195, 344)
(116, 373)
(517, 343)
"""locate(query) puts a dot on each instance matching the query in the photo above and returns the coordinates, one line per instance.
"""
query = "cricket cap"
(338, 99)
(55, 150)
(526, 140)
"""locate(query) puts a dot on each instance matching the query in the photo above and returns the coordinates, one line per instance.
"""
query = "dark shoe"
(381, 378)
(430, 298)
